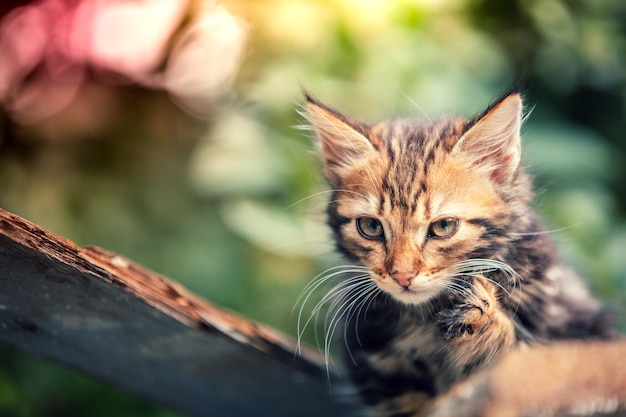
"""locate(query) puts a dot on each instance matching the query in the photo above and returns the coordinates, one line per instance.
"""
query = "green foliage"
(232, 209)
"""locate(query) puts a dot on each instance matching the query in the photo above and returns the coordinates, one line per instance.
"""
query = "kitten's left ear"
(493, 139)
(344, 142)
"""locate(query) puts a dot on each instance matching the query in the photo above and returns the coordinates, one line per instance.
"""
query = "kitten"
(457, 266)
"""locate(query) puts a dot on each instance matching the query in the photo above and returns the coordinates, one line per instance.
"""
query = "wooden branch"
(105, 316)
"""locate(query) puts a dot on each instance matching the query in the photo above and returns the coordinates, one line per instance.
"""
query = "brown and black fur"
(433, 322)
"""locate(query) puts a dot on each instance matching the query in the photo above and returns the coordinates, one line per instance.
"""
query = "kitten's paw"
(470, 314)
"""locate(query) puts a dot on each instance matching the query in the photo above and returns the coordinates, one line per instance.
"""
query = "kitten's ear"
(343, 141)
(493, 139)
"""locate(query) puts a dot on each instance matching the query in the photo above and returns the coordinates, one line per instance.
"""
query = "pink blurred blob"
(127, 37)
(36, 76)
(49, 47)
(205, 59)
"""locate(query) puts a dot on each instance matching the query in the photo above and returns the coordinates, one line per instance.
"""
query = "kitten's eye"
(370, 228)
(443, 228)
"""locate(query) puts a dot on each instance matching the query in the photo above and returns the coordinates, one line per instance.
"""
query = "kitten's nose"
(403, 277)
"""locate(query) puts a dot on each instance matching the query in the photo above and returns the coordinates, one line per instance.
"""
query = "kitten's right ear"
(493, 139)
(343, 141)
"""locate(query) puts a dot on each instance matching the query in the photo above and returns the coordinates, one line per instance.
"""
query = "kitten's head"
(419, 202)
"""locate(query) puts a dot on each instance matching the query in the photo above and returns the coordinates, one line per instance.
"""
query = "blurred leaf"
(566, 152)
(236, 159)
(275, 230)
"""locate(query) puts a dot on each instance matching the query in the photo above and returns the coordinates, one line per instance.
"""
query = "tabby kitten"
(457, 267)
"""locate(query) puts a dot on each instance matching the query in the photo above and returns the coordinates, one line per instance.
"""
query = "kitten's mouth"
(420, 290)
(412, 295)
(416, 291)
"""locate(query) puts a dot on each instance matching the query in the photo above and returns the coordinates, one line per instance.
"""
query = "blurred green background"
(207, 182)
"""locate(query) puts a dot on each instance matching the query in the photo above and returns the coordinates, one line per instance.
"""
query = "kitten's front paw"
(469, 314)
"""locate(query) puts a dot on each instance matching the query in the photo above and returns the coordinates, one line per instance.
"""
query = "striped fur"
(464, 268)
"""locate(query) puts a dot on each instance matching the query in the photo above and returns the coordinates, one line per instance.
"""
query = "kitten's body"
(439, 212)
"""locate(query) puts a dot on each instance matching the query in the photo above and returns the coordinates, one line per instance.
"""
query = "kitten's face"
(415, 201)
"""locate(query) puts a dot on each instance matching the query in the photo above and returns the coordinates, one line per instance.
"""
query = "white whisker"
(346, 301)
(413, 102)
(333, 201)
(548, 232)
(354, 312)
(374, 291)
(334, 294)
(342, 309)
(480, 267)
(322, 193)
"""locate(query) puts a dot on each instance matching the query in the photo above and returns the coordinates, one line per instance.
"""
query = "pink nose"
(403, 277)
